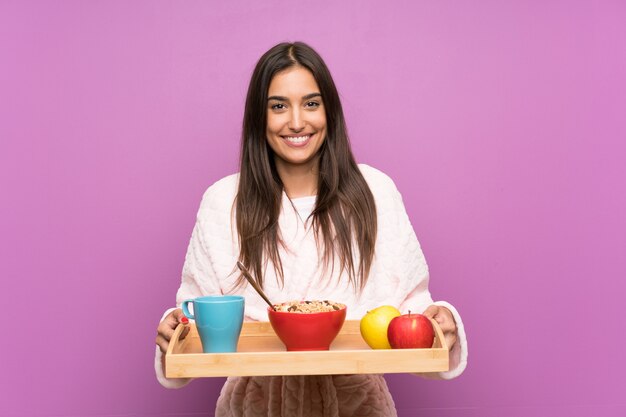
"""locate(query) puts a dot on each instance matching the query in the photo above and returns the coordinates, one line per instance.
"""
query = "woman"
(311, 224)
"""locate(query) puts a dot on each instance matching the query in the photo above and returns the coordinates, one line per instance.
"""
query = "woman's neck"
(299, 180)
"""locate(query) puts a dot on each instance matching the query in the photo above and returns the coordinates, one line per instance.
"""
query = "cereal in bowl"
(307, 307)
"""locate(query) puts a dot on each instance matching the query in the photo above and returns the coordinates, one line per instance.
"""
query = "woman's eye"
(312, 104)
(278, 106)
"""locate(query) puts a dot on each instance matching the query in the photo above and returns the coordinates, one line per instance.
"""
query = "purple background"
(502, 124)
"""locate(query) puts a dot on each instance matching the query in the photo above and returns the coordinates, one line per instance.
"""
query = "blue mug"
(218, 319)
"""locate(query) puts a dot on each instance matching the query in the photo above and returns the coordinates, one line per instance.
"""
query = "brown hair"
(344, 217)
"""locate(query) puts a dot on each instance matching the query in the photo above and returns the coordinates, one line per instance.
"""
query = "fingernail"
(184, 320)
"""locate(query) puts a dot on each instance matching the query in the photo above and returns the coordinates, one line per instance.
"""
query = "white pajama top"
(398, 277)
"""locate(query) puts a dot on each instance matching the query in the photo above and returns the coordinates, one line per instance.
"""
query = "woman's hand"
(444, 317)
(166, 328)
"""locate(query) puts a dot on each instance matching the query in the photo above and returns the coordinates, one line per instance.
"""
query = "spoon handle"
(254, 284)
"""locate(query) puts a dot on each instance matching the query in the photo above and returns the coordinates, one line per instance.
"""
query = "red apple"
(411, 331)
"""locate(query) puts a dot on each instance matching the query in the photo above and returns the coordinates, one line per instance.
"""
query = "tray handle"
(439, 334)
(175, 339)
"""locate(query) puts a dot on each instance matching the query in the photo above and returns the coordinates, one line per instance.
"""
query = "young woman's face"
(296, 119)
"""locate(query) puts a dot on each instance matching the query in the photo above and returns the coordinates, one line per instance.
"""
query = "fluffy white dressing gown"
(398, 277)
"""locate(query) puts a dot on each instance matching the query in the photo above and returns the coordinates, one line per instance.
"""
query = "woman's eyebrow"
(307, 97)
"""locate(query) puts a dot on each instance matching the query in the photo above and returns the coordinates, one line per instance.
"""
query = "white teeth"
(299, 139)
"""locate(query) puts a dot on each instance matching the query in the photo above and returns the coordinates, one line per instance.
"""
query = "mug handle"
(186, 310)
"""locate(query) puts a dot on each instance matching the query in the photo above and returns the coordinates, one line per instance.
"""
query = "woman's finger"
(445, 319)
(179, 316)
(447, 325)
(165, 330)
(184, 333)
(170, 322)
(162, 343)
(431, 311)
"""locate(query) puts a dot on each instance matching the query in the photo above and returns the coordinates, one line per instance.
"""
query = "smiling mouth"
(297, 140)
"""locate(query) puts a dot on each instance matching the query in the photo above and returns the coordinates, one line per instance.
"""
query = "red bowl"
(307, 331)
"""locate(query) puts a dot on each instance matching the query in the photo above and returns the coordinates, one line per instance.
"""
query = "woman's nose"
(296, 123)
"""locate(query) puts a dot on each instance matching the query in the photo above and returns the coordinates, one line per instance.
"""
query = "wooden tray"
(260, 352)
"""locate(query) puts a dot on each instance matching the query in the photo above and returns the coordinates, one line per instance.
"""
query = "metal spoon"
(252, 282)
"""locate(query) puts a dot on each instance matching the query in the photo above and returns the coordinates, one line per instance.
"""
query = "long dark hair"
(344, 218)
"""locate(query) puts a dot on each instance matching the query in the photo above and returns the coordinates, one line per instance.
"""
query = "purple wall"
(502, 124)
